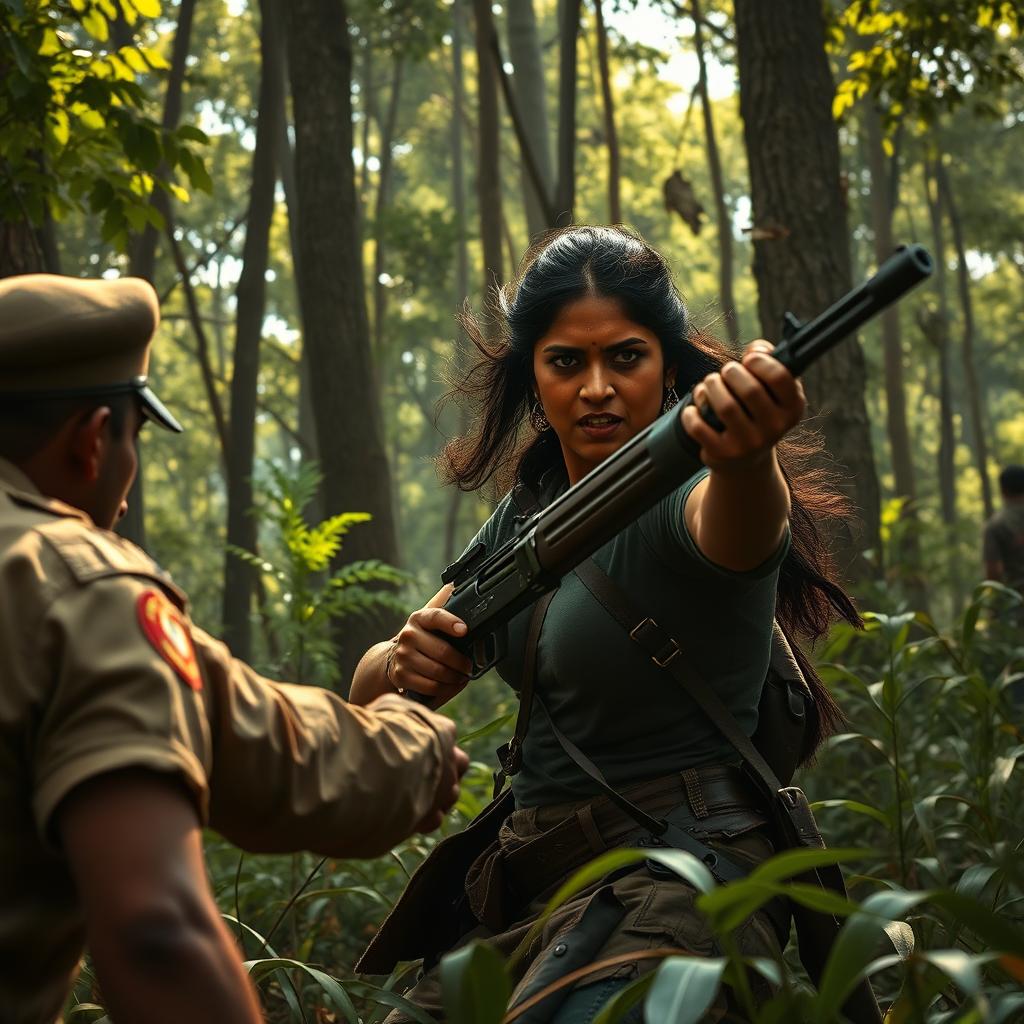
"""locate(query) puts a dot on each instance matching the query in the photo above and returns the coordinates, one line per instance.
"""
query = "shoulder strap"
(665, 653)
(510, 756)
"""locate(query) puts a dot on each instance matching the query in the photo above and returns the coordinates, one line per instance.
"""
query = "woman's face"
(600, 378)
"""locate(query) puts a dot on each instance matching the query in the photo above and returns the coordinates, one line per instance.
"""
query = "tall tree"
(722, 218)
(386, 135)
(143, 251)
(883, 205)
(975, 400)
(455, 496)
(240, 576)
(344, 390)
(801, 255)
(488, 177)
(528, 85)
(565, 189)
(934, 323)
(611, 135)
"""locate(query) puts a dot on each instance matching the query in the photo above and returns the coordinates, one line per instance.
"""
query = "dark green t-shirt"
(630, 717)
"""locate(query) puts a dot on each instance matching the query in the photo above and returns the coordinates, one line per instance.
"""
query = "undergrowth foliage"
(302, 596)
(920, 801)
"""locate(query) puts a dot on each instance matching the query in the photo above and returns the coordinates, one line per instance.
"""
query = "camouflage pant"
(655, 916)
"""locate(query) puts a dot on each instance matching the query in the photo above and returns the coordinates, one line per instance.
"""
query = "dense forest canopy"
(316, 188)
(123, 122)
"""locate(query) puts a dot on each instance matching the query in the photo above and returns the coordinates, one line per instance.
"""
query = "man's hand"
(161, 950)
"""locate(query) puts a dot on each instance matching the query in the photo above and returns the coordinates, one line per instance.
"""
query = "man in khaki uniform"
(124, 729)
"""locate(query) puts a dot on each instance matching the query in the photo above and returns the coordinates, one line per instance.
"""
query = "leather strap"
(663, 830)
(664, 652)
(510, 756)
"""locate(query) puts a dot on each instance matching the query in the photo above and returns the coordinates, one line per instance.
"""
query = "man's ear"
(88, 442)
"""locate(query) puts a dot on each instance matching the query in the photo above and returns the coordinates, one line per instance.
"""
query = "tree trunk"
(724, 221)
(531, 102)
(331, 283)
(143, 257)
(240, 577)
(455, 495)
(975, 399)
(488, 179)
(884, 193)
(314, 511)
(882, 208)
(565, 190)
(935, 325)
(608, 108)
(801, 255)
(387, 136)
(20, 251)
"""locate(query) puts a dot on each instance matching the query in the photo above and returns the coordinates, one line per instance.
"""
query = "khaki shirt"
(101, 669)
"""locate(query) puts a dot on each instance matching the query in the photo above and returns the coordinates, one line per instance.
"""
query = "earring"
(538, 420)
(671, 399)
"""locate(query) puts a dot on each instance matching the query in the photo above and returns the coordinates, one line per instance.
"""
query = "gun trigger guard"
(488, 651)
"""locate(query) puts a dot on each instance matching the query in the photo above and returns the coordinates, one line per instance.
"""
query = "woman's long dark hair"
(500, 447)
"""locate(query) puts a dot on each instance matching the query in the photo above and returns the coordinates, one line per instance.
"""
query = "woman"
(596, 345)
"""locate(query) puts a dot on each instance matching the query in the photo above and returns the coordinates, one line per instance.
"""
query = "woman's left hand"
(757, 399)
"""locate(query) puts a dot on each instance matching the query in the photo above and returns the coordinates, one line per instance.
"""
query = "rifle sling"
(510, 759)
(665, 653)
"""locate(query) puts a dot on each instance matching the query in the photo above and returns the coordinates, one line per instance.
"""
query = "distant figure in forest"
(594, 344)
(1003, 537)
(125, 729)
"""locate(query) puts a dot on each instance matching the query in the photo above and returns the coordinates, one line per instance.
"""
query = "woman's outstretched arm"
(739, 513)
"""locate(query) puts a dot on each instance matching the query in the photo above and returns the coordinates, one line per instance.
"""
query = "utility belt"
(537, 848)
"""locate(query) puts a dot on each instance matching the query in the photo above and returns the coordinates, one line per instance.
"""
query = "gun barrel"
(908, 266)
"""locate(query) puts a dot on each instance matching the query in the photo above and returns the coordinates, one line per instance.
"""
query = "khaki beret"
(65, 337)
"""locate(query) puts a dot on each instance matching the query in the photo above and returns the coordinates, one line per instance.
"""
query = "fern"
(303, 597)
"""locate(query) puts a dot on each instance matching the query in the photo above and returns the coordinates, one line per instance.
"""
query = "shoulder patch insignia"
(165, 629)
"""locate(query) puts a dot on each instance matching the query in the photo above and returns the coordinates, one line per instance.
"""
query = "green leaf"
(683, 864)
(795, 862)
(683, 989)
(959, 966)
(973, 881)
(855, 807)
(190, 133)
(993, 928)
(261, 969)
(856, 944)
(475, 986)
(85, 1013)
(486, 730)
(392, 1000)
(96, 25)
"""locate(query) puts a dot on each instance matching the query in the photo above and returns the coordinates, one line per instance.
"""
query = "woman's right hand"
(423, 661)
